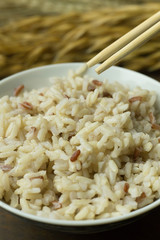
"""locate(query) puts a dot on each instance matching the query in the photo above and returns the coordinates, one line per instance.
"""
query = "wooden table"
(14, 228)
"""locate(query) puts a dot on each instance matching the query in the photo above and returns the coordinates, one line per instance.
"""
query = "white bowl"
(39, 77)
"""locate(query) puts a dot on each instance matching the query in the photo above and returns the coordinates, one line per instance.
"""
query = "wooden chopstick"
(126, 39)
(130, 47)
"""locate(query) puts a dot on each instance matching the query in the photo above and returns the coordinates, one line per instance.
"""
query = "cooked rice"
(80, 149)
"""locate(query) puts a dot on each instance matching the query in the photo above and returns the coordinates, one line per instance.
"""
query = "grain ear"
(74, 37)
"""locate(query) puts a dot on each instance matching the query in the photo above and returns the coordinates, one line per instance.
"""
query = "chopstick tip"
(90, 63)
(99, 70)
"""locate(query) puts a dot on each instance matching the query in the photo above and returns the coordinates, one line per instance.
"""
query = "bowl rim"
(59, 65)
(79, 223)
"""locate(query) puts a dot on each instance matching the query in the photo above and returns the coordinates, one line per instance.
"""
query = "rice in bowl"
(80, 149)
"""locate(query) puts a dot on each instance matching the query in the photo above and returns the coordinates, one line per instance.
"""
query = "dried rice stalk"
(41, 40)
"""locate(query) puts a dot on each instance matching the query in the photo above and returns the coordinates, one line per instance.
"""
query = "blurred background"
(39, 32)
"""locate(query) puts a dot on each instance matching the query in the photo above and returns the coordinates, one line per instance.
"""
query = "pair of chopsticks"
(126, 44)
